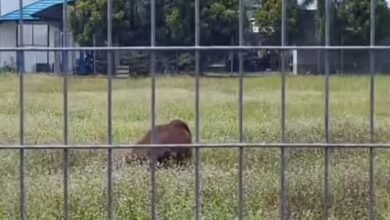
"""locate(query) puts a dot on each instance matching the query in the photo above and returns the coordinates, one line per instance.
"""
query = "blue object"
(31, 9)
(85, 63)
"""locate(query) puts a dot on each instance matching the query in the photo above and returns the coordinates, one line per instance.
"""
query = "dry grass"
(219, 123)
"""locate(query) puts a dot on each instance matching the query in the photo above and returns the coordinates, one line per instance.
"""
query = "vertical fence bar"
(94, 53)
(65, 105)
(109, 109)
(372, 111)
(20, 54)
(240, 112)
(153, 106)
(283, 162)
(197, 108)
(327, 170)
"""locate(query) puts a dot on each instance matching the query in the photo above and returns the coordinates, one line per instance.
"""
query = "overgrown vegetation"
(174, 26)
(219, 123)
(219, 22)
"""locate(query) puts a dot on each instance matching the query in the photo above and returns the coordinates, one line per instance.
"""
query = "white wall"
(8, 39)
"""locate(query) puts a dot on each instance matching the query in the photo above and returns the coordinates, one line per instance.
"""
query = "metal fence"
(283, 144)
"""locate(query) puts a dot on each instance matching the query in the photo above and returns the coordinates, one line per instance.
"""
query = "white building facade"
(38, 30)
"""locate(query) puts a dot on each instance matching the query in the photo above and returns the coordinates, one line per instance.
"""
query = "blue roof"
(31, 9)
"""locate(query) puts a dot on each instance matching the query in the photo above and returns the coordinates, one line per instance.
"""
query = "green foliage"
(186, 61)
(268, 18)
(7, 69)
(174, 23)
(138, 62)
(352, 21)
(85, 20)
(220, 23)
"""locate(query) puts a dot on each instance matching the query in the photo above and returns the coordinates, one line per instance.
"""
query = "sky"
(7, 6)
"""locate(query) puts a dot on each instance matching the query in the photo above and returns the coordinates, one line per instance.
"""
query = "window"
(35, 34)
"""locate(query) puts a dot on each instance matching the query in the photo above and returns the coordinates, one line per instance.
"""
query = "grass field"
(219, 123)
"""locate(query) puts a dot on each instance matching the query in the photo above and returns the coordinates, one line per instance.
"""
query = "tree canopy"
(174, 21)
(269, 17)
(219, 23)
(350, 20)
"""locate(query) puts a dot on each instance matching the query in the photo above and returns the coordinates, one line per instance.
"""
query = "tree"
(349, 25)
(174, 23)
(351, 21)
(88, 17)
(269, 17)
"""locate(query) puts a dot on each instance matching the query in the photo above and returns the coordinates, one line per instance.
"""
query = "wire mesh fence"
(153, 49)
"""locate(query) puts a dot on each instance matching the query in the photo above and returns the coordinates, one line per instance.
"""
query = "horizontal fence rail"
(198, 145)
(195, 48)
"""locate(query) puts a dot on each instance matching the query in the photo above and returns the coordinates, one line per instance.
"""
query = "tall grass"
(349, 99)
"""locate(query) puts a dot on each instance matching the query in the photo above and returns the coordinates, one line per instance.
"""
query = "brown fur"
(174, 132)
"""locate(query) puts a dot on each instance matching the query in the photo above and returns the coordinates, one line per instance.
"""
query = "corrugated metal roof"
(30, 9)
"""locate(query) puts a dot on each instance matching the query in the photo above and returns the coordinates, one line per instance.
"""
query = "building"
(42, 25)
